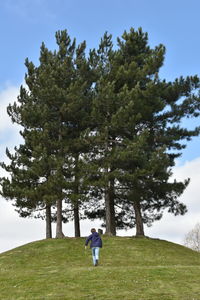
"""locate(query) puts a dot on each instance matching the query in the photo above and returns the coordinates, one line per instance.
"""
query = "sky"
(25, 24)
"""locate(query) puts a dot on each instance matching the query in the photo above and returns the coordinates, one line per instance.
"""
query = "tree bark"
(110, 210)
(76, 220)
(138, 219)
(77, 232)
(59, 233)
(48, 222)
(109, 197)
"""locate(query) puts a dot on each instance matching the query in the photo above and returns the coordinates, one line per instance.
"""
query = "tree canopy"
(101, 134)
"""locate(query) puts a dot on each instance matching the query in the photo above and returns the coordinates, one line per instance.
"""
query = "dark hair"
(93, 230)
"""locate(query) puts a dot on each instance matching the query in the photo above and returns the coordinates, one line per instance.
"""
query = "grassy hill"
(130, 268)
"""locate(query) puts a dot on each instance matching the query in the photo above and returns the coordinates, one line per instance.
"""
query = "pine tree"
(138, 133)
(149, 126)
(103, 108)
(53, 111)
(101, 134)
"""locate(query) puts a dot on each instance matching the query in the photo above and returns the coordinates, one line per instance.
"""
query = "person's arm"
(88, 239)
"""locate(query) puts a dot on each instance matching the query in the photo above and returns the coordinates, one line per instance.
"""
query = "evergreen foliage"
(101, 134)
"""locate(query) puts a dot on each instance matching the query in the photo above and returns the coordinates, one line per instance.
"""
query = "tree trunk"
(48, 222)
(138, 219)
(59, 233)
(110, 210)
(76, 220)
(76, 204)
(109, 198)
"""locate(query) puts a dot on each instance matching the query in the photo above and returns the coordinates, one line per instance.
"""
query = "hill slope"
(130, 268)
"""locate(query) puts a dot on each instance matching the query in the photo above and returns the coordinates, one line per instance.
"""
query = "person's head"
(93, 230)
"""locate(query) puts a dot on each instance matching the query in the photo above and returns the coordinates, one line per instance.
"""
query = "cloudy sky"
(25, 24)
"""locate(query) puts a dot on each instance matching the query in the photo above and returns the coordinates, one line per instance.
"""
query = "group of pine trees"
(101, 134)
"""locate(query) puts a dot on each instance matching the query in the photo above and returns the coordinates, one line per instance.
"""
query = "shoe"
(97, 262)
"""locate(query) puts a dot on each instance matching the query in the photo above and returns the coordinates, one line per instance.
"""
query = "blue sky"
(25, 24)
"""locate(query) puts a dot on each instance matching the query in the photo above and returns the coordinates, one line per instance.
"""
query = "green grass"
(130, 268)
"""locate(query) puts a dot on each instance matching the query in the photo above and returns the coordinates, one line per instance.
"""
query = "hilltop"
(130, 268)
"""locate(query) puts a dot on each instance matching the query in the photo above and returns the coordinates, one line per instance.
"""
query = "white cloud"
(9, 132)
(16, 231)
(8, 95)
(174, 228)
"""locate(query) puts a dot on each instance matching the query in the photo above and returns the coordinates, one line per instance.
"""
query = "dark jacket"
(95, 239)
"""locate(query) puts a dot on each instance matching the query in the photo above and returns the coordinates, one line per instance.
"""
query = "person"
(95, 244)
